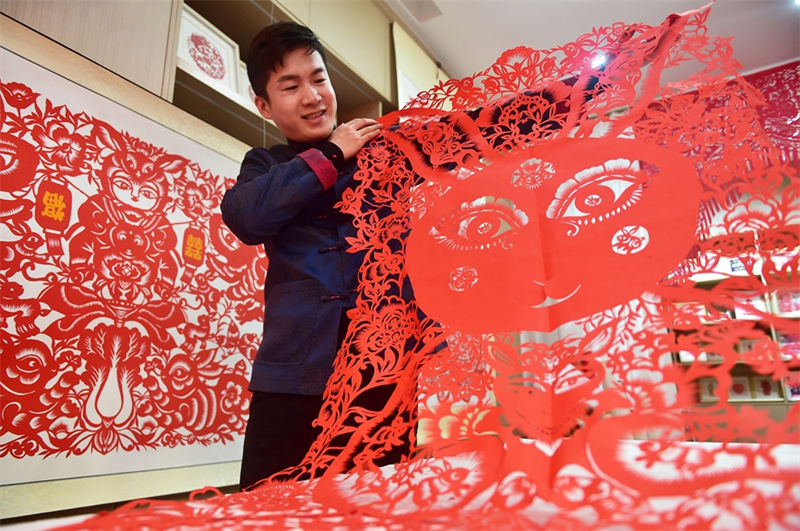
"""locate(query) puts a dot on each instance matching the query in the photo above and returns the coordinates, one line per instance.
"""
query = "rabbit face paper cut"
(553, 233)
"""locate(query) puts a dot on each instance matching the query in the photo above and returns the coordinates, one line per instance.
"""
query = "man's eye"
(289, 88)
(321, 81)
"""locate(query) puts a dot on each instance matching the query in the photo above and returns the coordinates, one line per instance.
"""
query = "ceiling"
(466, 36)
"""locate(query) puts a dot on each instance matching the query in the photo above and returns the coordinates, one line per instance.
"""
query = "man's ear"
(263, 107)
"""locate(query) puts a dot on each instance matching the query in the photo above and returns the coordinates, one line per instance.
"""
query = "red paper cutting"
(565, 359)
(122, 294)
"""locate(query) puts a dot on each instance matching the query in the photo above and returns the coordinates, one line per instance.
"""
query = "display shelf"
(759, 288)
(686, 358)
(223, 112)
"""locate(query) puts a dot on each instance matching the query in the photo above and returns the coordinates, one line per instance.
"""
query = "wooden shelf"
(225, 114)
(755, 306)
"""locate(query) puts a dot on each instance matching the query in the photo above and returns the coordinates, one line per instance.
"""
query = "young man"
(284, 200)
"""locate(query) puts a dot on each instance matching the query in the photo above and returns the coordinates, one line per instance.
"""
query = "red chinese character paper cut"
(572, 236)
(128, 310)
(206, 56)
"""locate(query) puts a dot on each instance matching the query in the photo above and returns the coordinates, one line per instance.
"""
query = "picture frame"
(207, 54)
(707, 388)
(692, 308)
(789, 344)
(766, 389)
(747, 306)
(739, 390)
(734, 266)
(746, 345)
(780, 259)
(737, 266)
(155, 130)
(791, 386)
(246, 94)
(688, 357)
(786, 301)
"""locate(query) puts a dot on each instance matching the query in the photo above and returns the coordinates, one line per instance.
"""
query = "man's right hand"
(351, 136)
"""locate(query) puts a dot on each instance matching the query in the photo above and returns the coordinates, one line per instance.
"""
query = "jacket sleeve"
(267, 194)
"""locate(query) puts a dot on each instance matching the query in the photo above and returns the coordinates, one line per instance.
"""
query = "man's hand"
(351, 136)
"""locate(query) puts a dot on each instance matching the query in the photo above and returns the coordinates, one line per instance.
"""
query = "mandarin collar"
(298, 147)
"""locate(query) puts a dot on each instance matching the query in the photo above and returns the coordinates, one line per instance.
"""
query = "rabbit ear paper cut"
(571, 282)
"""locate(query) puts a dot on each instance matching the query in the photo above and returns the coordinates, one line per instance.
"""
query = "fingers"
(364, 128)
(371, 130)
(351, 136)
(363, 123)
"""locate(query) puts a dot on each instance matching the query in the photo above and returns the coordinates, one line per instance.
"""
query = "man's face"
(301, 99)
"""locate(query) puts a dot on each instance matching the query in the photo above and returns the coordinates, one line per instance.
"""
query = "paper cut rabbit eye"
(552, 234)
(481, 224)
(597, 193)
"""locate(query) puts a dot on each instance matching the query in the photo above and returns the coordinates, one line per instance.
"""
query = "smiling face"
(140, 195)
(553, 234)
(301, 102)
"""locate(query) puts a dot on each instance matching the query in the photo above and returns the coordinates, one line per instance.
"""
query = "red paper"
(552, 219)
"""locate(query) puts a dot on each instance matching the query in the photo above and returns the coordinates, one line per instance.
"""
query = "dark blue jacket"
(284, 200)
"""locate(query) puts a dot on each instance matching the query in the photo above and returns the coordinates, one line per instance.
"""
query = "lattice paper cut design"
(553, 220)
(126, 301)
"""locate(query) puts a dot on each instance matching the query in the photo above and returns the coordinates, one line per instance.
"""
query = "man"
(284, 199)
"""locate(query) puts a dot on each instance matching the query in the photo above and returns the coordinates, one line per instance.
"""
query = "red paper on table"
(552, 219)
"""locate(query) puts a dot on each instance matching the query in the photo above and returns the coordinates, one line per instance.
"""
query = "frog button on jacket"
(284, 200)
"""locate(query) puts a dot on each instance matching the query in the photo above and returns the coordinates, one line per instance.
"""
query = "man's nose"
(311, 95)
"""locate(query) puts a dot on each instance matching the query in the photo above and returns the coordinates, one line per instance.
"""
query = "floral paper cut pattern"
(536, 239)
(126, 305)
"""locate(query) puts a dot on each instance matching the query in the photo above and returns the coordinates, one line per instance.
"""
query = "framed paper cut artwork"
(207, 53)
(130, 313)
(767, 389)
(789, 344)
(707, 388)
(740, 389)
(791, 386)
(786, 302)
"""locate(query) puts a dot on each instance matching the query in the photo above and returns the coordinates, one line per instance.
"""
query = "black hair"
(270, 46)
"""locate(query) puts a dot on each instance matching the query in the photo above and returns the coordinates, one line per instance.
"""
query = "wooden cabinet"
(134, 38)
(747, 306)
(358, 34)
